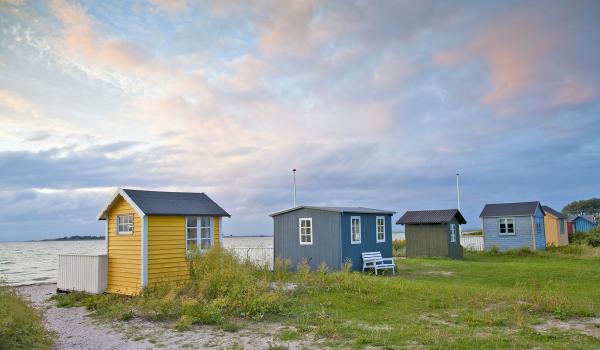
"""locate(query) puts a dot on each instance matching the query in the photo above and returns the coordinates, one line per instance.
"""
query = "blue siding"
(540, 234)
(368, 238)
(583, 225)
(522, 237)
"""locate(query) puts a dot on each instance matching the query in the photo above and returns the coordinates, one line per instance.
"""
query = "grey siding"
(368, 238)
(522, 237)
(427, 240)
(326, 245)
(455, 250)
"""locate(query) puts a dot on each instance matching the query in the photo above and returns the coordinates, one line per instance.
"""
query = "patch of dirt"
(440, 273)
(436, 321)
(585, 326)
(76, 330)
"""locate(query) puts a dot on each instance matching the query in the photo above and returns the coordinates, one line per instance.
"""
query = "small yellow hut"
(555, 223)
(149, 234)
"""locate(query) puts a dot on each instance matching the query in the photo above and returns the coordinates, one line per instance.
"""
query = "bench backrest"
(371, 256)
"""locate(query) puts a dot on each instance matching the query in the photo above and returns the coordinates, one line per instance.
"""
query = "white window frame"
(310, 233)
(453, 233)
(352, 241)
(377, 226)
(505, 221)
(199, 228)
(126, 224)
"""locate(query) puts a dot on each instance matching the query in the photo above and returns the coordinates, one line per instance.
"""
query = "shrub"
(591, 238)
(21, 325)
(398, 247)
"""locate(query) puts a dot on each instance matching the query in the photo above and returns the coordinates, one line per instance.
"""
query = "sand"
(76, 330)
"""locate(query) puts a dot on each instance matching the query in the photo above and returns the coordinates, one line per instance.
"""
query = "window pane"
(191, 233)
(205, 222)
(205, 244)
(205, 233)
(191, 222)
(191, 245)
(511, 228)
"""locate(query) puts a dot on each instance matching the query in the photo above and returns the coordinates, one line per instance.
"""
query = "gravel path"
(77, 331)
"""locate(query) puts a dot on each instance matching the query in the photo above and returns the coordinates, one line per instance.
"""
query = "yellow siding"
(553, 236)
(216, 231)
(166, 249)
(124, 252)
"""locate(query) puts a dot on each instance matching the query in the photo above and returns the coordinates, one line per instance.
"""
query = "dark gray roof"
(503, 209)
(553, 212)
(589, 218)
(175, 203)
(358, 210)
(431, 217)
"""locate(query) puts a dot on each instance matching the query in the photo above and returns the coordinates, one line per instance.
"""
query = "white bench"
(374, 260)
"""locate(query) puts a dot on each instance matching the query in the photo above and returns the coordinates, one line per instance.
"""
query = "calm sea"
(37, 262)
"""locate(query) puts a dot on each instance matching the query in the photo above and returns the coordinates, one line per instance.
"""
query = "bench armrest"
(391, 260)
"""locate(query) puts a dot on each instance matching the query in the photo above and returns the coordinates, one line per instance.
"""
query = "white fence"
(258, 255)
(473, 243)
(84, 273)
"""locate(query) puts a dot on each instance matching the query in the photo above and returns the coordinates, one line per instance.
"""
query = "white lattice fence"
(258, 255)
(473, 243)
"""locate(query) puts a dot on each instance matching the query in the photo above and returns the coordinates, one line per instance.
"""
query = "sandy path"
(78, 331)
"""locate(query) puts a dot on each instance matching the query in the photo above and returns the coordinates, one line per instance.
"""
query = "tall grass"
(220, 288)
(21, 325)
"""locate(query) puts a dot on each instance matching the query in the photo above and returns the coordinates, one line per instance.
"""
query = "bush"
(398, 247)
(21, 325)
(591, 238)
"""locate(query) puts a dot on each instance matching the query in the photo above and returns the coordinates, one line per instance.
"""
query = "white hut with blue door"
(331, 235)
(513, 225)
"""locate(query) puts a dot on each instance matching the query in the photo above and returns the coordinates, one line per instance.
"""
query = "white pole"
(458, 203)
(457, 192)
(294, 170)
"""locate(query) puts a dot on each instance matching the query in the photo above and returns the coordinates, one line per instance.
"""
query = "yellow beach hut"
(149, 233)
(555, 223)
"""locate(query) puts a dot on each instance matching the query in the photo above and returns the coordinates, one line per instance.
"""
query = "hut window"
(198, 232)
(355, 227)
(452, 233)
(507, 226)
(562, 226)
(380, 229)
(125, 224)
(306, 236)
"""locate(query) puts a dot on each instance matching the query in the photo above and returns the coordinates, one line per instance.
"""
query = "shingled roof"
(503, 209)
(431, 217)
(553, 212)
(358, 210)
(167, 203)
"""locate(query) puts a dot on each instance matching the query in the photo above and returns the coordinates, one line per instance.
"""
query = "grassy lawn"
(21, 325)
(483, 301)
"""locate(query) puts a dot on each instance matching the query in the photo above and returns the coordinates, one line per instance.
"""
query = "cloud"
(17, 103)
(171, 6)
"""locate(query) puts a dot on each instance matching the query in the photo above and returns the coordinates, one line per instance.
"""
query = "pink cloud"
(81, 42)
(171, 6)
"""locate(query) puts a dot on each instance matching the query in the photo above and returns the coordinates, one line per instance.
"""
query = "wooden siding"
(583, 225)
(124, 252)
(166, 249)
(216, 231)
(540, 235)
(368, 238)
(426, 240)
(326, 238)
(554, 237)
(523, 236)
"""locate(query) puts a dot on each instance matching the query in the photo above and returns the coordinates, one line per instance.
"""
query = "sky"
(377, 104)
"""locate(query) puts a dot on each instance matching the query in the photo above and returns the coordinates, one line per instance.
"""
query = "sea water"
(37, 262)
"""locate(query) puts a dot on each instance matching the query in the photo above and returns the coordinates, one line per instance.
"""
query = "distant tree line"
(75, 238)
(586, 206)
